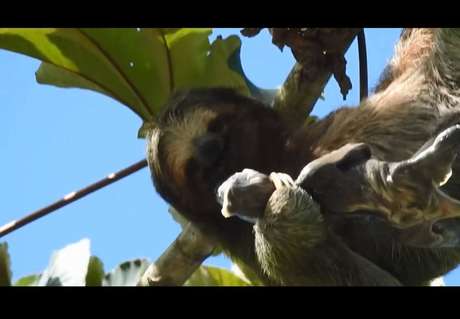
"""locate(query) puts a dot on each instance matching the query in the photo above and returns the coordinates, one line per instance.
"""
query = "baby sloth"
(283, 210)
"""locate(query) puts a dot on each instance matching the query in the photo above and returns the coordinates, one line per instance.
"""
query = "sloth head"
(203, 137)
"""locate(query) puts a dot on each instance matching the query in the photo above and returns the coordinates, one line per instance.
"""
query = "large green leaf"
(68, 266)
(138, 67)
(126, 274)
(5, 270)
(265, 95)
(213, 276)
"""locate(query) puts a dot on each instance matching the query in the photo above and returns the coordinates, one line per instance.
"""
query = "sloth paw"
(281, 180)
(245, 194)
(415, 183)
(406, 194)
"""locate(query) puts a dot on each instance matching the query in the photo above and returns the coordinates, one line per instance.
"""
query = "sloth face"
(205, 136)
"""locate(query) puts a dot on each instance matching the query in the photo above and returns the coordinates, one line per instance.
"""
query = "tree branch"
(306, 81)
(180, 259)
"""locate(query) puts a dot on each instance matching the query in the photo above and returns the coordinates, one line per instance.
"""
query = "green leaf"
(31, 280)
(68, 266)
(126, 274)
(49, 73)
(265, 95)
(246, 273)
(95, 273)
(5, 264)
(78, 51)
(138, 67)
(218, 71)
(213, 276)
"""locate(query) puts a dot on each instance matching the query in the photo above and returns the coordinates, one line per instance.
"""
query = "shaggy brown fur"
(418, 96)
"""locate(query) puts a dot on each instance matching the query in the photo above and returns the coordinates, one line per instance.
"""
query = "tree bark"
(305, 83)
(180, 259)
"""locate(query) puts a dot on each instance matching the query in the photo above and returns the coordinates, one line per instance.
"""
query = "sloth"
(205, 136)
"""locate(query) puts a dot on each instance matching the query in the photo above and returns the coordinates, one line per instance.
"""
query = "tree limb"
(307, 79)
(180, 259)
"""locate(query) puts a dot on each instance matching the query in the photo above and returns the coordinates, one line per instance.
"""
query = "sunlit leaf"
(49, 73)
(139, 67)
(265, 95)
(126, 274)
(246, 273)
(31, 280)
(68, 266)
(213, 276)
(76, 51)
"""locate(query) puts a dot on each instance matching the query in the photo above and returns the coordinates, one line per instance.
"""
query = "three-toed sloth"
(204, 136)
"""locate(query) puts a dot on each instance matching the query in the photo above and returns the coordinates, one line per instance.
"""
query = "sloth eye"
(209, 148)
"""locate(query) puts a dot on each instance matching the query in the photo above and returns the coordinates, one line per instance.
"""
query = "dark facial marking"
(209, 148)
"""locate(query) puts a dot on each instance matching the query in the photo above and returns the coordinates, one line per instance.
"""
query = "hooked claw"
(405, 193)
(417, 180)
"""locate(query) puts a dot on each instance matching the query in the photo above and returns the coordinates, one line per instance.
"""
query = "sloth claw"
(427, 216)
(245, 194)
(418, 179)
(405, 193)
(281, 180)
(433, 161)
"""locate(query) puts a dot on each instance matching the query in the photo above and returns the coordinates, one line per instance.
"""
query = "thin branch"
(71, 197)
(180, 259)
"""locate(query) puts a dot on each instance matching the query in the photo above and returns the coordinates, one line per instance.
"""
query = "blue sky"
(54, 141)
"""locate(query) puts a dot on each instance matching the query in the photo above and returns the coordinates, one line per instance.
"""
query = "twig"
(71, 197)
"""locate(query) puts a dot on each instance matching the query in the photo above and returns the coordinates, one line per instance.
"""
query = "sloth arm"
(293, 243)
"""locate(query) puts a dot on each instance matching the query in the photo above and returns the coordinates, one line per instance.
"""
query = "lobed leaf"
(139, 67)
